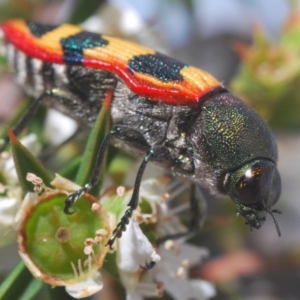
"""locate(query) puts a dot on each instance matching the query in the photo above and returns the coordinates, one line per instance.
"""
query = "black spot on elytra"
(157, 65)
(38, 29)
(74, 45)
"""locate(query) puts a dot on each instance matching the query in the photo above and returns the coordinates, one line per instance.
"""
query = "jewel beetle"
(176, 115)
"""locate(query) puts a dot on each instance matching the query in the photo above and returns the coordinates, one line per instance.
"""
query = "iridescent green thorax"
(234, 134)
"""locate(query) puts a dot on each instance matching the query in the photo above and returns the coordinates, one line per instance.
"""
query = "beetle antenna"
(271, 212)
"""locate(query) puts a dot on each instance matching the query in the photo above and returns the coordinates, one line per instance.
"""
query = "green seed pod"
(62, 249)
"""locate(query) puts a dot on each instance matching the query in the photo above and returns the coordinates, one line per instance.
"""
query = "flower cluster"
(71, 250)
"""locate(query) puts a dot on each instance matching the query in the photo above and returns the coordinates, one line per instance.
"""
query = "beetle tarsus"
(121, 227)
(71, 199)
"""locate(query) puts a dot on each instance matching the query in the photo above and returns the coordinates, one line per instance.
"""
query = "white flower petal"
(8, 210)
(135, 250)
(58, 127)
(134, 296)
(144, 290)
(185, 289)
(85, 288)
(202, 287)
(62, 183)
(172, 271)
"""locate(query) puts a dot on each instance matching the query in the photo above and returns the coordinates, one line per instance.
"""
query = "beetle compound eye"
(252, 187)
(256, 184)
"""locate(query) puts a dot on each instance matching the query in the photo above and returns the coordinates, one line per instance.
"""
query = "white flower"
(58, 127)
(170, 262)
(134, 253)
(176, 258)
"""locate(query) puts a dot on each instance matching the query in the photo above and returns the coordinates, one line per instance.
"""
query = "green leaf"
(37, 124)
(16, 285)
(31, 289)
(118, 165)
(110, 265)
(99, 131)
(25, 162)
(71, 168)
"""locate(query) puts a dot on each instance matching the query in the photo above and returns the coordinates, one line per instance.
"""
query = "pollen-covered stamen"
(88, 250)
(100, 233)
(89, 242)
(77, 270)
(165, 196)
(121, 191)
(96, 207)
(180, 272)
(169, 245)
(39, 186)
(186, 263)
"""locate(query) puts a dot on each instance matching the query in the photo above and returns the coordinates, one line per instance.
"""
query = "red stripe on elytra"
(169, 95)
(185, 95)
(27, 44)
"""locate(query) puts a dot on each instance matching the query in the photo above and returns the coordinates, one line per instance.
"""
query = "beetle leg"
(156, 153)
(130, 136)
(27, 116)
(31, 111)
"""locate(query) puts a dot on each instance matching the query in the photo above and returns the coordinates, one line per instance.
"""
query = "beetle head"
(255, 187)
